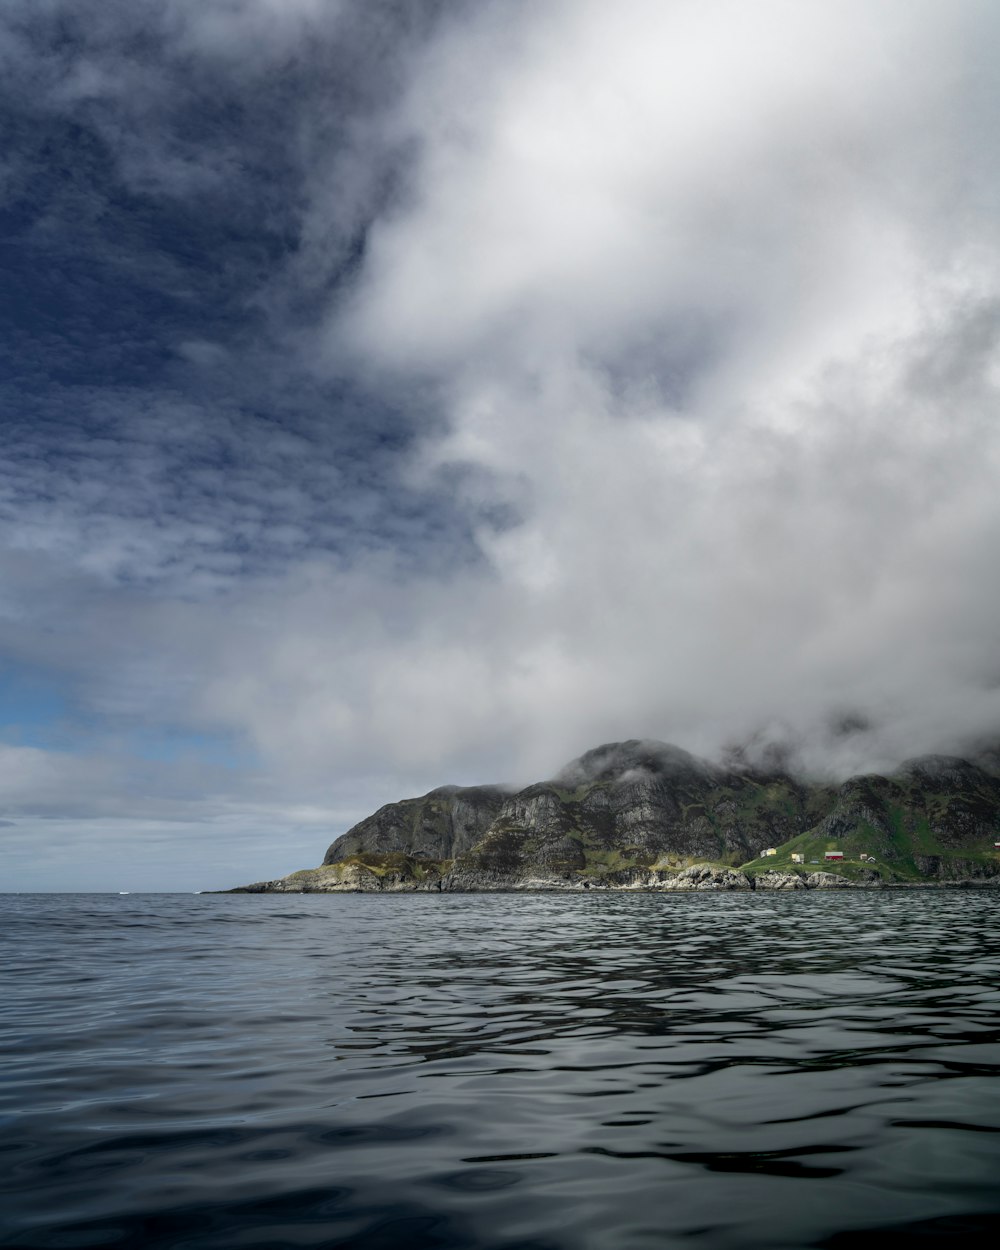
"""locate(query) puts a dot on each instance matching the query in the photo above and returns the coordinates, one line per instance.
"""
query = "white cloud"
(711, 290)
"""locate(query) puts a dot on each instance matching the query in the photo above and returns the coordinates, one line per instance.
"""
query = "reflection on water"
(500, 1071)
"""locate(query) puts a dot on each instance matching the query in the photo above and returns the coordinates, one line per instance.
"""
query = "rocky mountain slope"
(645, 815)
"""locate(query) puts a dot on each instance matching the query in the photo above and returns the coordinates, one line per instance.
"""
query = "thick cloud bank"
(709, 292)
(495, 380)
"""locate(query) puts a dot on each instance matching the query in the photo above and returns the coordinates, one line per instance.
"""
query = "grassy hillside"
(923, 823)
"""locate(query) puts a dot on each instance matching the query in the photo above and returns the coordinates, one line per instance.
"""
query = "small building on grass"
(833, 855)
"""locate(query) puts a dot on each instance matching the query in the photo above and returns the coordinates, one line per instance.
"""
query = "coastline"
(698, 878)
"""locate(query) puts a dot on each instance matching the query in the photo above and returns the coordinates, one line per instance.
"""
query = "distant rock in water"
(645, 815)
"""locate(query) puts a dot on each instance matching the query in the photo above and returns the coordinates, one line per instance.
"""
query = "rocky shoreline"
(698, 877)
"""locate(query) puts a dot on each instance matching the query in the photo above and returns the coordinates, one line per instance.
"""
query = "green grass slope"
(936, 819)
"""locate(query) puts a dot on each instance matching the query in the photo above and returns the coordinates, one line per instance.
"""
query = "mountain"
(646, 815)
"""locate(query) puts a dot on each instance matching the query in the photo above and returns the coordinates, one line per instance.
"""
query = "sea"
(605, 1071)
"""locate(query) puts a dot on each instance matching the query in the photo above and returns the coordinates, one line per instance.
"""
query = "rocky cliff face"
(440, 825)
(645, 815)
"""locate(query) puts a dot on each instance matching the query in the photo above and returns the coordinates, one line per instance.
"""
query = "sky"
(406, 392)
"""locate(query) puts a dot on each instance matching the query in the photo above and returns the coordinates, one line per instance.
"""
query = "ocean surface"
(546, 1072)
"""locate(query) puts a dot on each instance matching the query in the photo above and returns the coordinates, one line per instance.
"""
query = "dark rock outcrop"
(439, 825)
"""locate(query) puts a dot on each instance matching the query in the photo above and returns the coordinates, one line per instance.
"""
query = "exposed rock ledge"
(814, 881)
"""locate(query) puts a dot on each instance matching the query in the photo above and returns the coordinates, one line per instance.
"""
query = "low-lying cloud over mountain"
(406, 392)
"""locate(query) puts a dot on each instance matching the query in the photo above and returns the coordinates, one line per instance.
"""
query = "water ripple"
(542, 1072)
